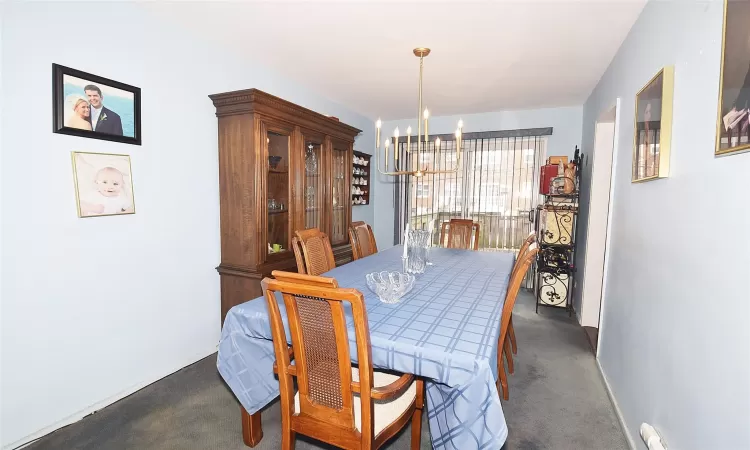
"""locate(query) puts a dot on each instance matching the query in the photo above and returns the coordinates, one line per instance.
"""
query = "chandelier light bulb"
(408, 131)
(460, 123)
(387, 143)
(426, 114)
(395, 134)
(378, 124)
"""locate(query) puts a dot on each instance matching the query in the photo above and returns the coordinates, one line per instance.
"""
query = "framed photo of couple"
(95, 107)
(733, 122)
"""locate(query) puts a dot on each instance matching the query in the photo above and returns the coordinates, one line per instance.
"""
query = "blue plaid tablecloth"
(446, 330)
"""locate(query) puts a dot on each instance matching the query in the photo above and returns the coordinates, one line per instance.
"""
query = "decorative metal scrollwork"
(553, 259)
(553, 289)
(556, 234)
(558, 223)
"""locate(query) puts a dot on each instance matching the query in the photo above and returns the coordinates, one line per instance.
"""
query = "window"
(496, 185)
(490, 197)
(529, 157)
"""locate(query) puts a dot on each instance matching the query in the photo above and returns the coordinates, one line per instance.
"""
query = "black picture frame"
(59, 98)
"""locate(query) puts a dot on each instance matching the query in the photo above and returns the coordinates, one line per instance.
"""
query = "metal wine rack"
(556, 223)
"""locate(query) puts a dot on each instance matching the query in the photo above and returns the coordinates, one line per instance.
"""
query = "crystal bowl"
(390, 286)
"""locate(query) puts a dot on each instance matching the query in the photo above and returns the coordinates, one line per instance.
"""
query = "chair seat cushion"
(386, 411)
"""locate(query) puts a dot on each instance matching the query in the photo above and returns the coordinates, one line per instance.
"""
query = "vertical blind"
(496, 185)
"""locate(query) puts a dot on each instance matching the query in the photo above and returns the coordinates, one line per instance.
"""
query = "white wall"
(566, 134)
(95, 308)
(676, 318)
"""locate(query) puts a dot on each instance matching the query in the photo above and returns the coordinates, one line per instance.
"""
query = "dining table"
(445, 330)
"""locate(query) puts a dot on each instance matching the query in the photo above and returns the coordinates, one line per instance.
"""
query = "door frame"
(595, 269)
(610, 212)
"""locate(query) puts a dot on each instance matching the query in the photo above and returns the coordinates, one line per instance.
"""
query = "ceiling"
(487, 56)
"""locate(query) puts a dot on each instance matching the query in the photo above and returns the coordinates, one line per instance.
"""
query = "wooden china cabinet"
(282, 168)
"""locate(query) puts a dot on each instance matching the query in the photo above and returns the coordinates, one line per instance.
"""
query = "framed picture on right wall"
(733, 122)
(653, 127)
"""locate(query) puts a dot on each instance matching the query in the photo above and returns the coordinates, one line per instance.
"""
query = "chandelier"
(422, 139)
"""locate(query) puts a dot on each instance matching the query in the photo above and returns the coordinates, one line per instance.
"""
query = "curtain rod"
(525, 132)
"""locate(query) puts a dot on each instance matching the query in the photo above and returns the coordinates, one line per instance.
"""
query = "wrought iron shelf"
(555, 269)
(562, 208)
(550, 245)
(571, 195)
(553, 261)
(556, 223)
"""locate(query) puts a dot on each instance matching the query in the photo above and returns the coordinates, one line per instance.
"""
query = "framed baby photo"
(653, 127)
(103, 183)
(733, 121)
(95, 107)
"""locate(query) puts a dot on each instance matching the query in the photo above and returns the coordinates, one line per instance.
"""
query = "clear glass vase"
(417, 251)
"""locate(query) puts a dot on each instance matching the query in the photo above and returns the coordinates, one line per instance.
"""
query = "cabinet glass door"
(277, 193)
(314, 186)
(340, 198)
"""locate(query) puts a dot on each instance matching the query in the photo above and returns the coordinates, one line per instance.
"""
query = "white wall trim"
(610, 212)
(73, 418)
(618, 413)
(596, 231)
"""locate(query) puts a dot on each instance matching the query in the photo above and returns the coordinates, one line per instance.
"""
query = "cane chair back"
(458, 233)
(325, 407)
(316, 251)
(362, 240)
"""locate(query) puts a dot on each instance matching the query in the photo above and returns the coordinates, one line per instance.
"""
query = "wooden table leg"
(252, 430)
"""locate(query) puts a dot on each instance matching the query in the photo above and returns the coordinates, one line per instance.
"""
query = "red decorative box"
(548, 172)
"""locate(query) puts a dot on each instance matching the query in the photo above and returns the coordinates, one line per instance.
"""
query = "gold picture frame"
(652, 139)
(103, 184)
(733, 115)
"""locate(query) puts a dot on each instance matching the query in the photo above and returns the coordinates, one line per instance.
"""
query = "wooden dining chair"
(510, 300)
(530, 239)
(298, 258)
(512, 332)
(345, 406)
(458, 233)
(362, 240)
(315, 250)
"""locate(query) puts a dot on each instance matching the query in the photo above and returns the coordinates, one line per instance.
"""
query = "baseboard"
(73, 418)
(618, 413)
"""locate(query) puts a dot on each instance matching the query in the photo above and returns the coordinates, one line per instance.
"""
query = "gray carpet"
(557, 401)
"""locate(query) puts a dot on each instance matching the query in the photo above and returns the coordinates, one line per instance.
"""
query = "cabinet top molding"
(254, 100)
